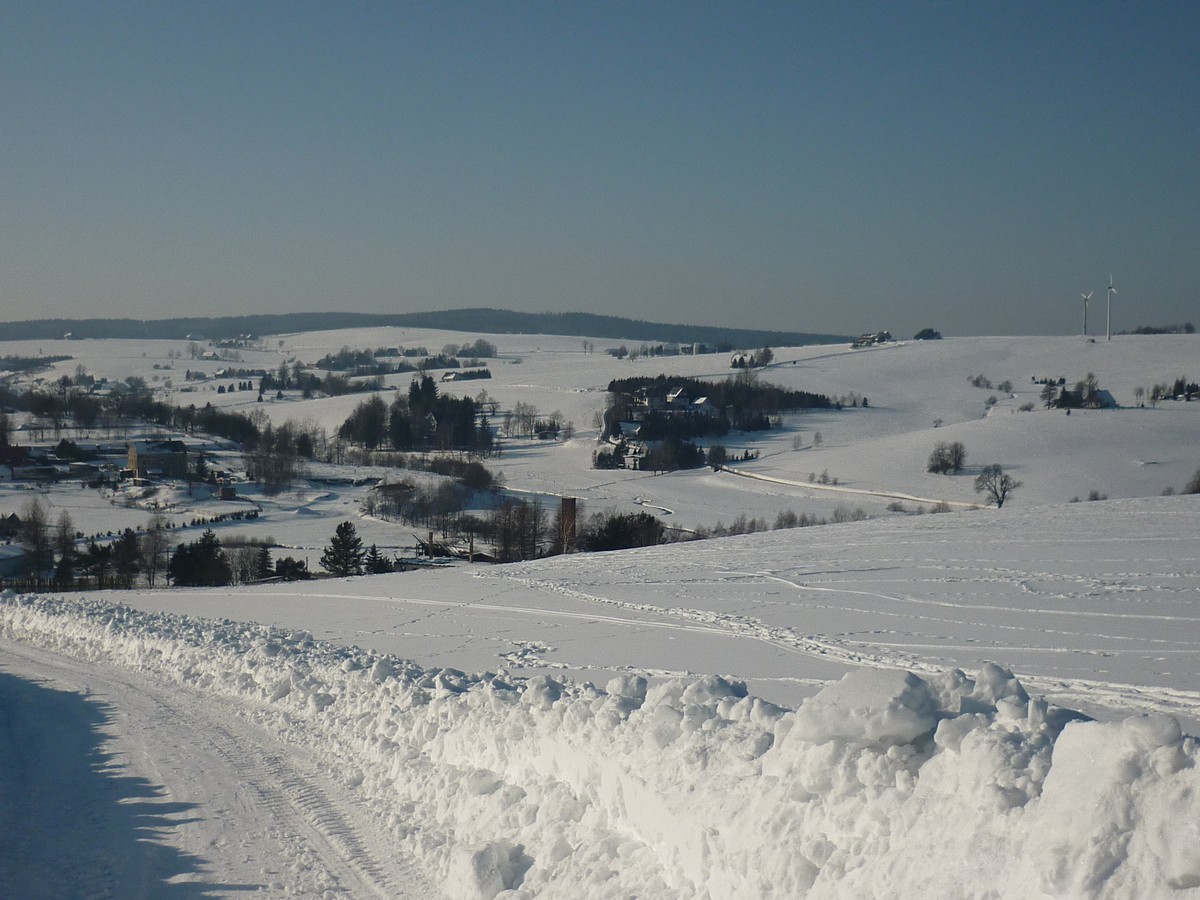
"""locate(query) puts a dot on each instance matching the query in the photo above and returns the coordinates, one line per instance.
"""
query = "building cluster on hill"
(871, 339)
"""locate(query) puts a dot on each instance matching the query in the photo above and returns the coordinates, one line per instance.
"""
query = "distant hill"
(496, 321)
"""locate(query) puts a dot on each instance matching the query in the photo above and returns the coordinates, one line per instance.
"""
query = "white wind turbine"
(1108, 318)
(1086, 297)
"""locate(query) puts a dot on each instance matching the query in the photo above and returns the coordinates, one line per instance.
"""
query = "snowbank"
(882, 785)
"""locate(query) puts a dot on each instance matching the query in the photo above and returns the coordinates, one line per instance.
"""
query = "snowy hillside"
(876, 453)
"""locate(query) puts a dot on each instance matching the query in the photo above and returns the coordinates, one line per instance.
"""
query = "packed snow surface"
(1095, 604)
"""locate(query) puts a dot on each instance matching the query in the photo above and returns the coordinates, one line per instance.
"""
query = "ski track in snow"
(842, 489)
(1127, 698)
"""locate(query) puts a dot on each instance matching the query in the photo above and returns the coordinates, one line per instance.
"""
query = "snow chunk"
(877, 705)
(629, 687)
(994, 684)
(713, 687)
(542, 692)
(1119, 809)
(480, 873)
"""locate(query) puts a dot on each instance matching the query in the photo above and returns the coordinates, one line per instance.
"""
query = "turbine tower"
(1086, 297)
(1108, 318)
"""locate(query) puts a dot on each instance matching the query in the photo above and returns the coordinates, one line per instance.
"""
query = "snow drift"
(884, 784)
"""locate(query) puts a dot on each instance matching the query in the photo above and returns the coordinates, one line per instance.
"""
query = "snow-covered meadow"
(870, 709)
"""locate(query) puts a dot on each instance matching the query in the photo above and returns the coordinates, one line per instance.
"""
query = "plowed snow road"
(112, 785)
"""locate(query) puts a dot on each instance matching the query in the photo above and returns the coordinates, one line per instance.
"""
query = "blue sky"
(825, 167)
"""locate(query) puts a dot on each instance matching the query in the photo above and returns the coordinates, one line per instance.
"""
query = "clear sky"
(813, 166)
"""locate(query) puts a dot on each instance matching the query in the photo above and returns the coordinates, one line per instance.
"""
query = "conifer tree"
(127, 556)
(376, 562)
(344, 555)
(262, 565)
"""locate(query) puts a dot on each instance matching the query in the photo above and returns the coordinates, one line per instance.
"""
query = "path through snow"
(159, 791)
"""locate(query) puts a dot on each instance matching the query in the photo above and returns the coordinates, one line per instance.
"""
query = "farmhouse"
(670, 401)
(871, 340)
(158, 458)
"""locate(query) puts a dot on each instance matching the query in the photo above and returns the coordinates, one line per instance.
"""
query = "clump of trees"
(1184, 328)
(441, 506)
(367, 362)
(1168, 390)
(947, 458)
(53, 556)
(982, 381)
(1086, 394)
(25, 364)
(358, 361)
(737, 393)
(737, 403)
(423, 420)
(671, 455)
(621, 531)
(517, 529)
(202, 563)
(927, 334)
(756, 359)
(610, 457)
(788, 518)
(278, 457)
(480, 349)
(291, 569)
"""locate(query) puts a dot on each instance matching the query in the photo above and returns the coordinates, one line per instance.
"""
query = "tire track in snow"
(317, 838)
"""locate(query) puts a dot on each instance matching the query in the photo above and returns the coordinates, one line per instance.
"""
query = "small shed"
(12, 561)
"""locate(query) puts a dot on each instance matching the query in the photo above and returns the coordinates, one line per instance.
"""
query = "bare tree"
(994, 483)
(64, 544)
(156, 547)
(525, 416)
(244, 562)
(35, 536)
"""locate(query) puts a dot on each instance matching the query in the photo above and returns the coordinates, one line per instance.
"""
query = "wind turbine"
(1108, 319)
(1086, 297)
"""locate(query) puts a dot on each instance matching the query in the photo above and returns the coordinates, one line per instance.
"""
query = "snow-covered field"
(781, 714)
